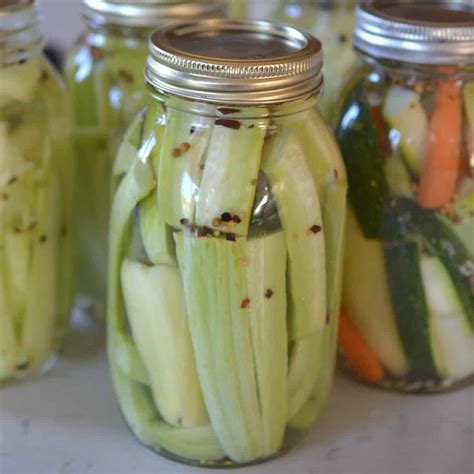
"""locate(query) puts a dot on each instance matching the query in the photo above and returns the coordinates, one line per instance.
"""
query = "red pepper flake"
(268, 294)
(236, 219)
(315, 229)
(44, 76)
(97, 53)
(254, 182)
(252, 125)
(126, 75)
(233, 124)
(226, 217)
(227, 110)
(336, 174)
(230, 237)
(22, 365)
(216, 222)
(202, 166)
(43, 238)
(185, 147)
(176, 153)
(32, 225)
(342, 38)
(328, 318)
(204, 231)
(184, 221)
(245, 303)
(12, 180)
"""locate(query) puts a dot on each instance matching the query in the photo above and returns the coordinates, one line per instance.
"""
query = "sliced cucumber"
(155, 307)
(198, 443)
(185, 140)
(41, 307)
(441, 242)
(469, 105)
(452, 338)
(218, 317)
(20, 82)
(366, 297)
(402, 261)
(398, 178)
(124, 354)
(156, 236)
(357, 136)
(266, 283)
(231, 171)
(406, 116)
(293, 186)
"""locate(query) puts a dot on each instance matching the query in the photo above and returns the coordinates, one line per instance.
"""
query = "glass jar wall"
(104, 74)
(406, 134)
(332, 21)
(226, 248)
(36, 194)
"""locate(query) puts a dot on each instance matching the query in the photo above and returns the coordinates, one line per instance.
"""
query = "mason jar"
(104, 73)
(238, 8)
(226, 240)
(332, 21)
(36, 183)
(406, 131)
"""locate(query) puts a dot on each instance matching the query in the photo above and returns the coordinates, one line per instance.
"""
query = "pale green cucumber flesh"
(157, 236)
(406, 116)
(230, 174)
(366, 297)
(182, 152)
(452, 338)
(137, 408)
(295, 191)
(266, 282)
(155, 309)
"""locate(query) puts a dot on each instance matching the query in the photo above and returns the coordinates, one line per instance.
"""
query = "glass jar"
(226, 240)
(238, 8)
(406, 134)
(332, 21)
(104, 73)
(36, 193)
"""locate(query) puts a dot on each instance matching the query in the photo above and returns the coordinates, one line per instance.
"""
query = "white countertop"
(67, 422)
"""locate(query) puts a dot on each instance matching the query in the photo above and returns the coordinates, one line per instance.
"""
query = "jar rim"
(424, 32)
(148, 13)
(261, 62)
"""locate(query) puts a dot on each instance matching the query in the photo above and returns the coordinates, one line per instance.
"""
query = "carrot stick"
(358, 353)
(440, 171)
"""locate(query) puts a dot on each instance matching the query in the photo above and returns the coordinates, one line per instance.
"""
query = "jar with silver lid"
(406, 131)
(104, 73)
(332, 21)
(36, 193)
(226, 239)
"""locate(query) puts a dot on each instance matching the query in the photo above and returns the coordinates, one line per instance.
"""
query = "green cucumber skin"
(368, 187)
(440, 240)
(408, 299)
(294, 188)
(197, 444)
(266, 270)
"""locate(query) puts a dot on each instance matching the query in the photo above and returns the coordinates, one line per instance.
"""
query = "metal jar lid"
(422, 32)
(232, 61)
(149, 13)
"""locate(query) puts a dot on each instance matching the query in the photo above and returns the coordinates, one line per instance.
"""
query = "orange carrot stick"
(441, 168)
(358, 353)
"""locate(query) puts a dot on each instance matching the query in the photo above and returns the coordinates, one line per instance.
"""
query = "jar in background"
(36, 194)
(332, 21)
(104, 73)
(226, 246)
(406, 134)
